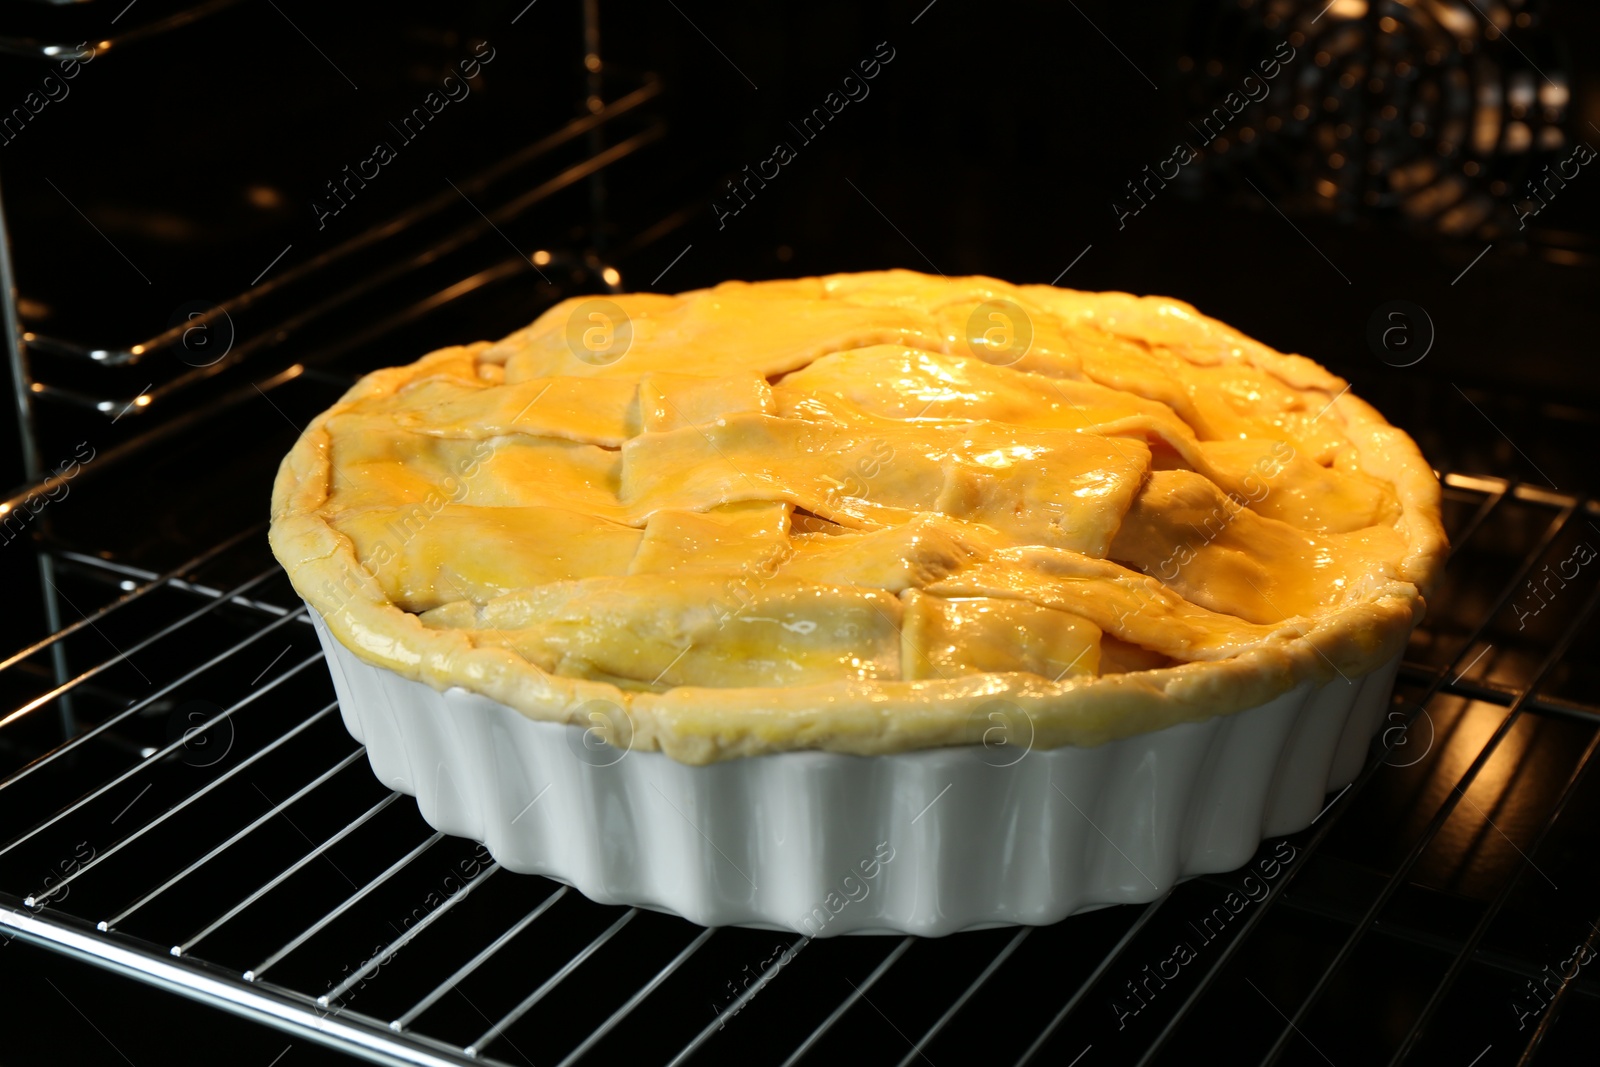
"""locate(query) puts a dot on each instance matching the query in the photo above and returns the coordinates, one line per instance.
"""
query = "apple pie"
(847, 513)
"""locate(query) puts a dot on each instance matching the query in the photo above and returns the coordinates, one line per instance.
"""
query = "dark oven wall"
(1009, 139)
(1374, 164)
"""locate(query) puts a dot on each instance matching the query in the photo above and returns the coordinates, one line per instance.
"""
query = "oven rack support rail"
(315, 285)
(315, 289)
(32, 48)
(254, 995)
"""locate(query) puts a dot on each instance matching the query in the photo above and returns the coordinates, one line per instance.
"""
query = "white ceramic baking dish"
(929, 842)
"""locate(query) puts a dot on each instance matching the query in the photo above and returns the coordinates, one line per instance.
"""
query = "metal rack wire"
(607, 131)
(190, 894)
(309, 282)
(31, 48)
(408, 263)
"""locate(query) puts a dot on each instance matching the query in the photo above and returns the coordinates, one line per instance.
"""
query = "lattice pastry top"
(854, 512)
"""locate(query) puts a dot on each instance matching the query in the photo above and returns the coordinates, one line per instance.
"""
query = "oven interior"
(195, 853)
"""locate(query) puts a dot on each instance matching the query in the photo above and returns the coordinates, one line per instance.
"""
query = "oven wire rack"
(308, 292)
(171, 950)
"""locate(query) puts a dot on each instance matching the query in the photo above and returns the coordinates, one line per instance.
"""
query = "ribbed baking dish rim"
(929, 842)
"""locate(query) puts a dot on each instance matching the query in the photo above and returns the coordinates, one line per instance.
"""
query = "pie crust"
(859, 513)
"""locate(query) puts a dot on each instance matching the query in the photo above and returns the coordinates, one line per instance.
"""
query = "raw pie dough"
(813, 514)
